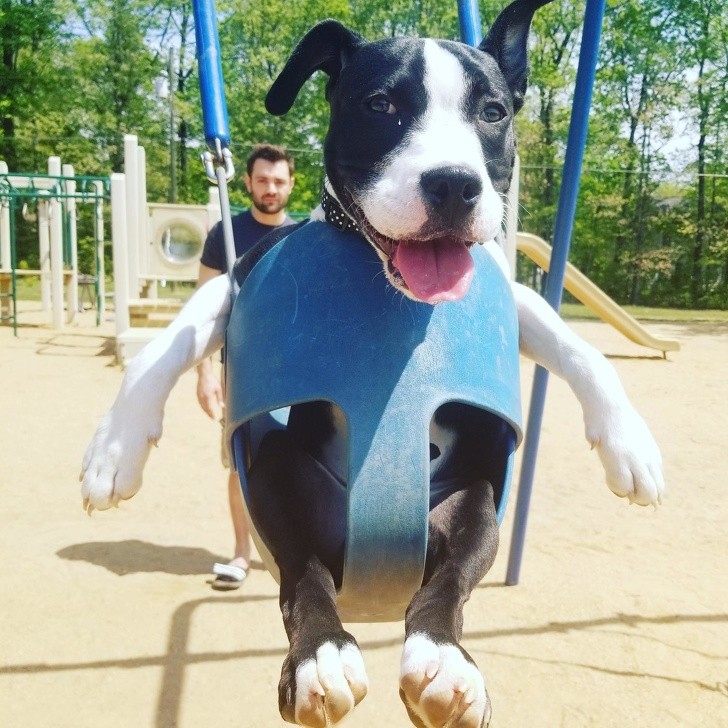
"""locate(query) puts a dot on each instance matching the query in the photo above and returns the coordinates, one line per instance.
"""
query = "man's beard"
(268, 208)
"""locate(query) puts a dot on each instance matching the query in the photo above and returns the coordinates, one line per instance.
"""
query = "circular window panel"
(180, 243)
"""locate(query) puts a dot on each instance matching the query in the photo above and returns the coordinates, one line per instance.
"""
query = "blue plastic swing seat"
(316, 320)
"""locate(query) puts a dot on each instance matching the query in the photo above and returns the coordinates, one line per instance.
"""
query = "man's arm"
(209, 389)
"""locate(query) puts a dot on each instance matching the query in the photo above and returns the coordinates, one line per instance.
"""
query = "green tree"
(76, 75)
(120, 70)
(256, 41)
(543, 123)
(638, 85)
(30, 34)
(704, 25)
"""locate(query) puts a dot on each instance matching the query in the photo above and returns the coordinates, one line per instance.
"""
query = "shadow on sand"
(134, 557)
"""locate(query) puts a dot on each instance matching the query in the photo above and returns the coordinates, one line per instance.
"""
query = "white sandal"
(228, 576)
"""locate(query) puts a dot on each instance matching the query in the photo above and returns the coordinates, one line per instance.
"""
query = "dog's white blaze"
(444, 80)
(441, 138)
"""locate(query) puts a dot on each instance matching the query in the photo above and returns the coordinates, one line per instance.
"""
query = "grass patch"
(646, 313)
(28, 288)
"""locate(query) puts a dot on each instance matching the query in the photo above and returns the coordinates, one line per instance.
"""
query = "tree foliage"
(76, 75)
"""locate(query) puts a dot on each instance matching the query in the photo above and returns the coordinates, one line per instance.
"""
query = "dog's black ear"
(325, 47)
(507, 42)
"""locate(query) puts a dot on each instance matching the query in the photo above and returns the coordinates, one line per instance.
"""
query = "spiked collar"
(334, 213)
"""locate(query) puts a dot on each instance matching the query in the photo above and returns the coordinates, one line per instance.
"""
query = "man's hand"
(209, 391)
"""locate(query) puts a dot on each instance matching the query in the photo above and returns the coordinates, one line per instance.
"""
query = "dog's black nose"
(451, 191)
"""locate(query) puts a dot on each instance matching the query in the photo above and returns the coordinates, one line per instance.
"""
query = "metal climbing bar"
(19, 189)
(576, 143)
(87, 189)
(10, 294)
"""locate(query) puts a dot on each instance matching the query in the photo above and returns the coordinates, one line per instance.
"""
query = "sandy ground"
(619, 620)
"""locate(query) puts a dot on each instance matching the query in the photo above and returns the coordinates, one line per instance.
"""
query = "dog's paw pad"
(440, 686)
(326, 688)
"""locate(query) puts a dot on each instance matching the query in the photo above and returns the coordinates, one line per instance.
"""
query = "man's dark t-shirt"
(247, 231)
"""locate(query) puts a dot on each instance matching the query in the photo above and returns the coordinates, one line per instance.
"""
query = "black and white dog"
(418, 157)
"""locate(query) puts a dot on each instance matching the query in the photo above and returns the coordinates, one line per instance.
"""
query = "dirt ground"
(619, 620)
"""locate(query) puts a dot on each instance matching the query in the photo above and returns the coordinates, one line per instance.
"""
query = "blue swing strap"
(218, 159)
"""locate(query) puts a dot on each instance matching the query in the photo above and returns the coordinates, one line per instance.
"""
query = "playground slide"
(593, 297)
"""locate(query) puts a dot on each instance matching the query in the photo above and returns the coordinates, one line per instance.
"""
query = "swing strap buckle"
(221, 158)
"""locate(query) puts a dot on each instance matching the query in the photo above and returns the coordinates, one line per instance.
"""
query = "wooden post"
(120, 246)
(69, 187)
(56, 248)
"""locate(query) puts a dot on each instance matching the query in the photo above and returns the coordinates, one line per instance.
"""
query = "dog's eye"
(381, 104)
(494, 113)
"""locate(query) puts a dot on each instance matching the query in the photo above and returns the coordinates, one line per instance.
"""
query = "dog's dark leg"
(323, 675)
(439, 683)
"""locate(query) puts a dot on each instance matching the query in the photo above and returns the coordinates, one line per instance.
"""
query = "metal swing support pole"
(593, 16)
(218, 159)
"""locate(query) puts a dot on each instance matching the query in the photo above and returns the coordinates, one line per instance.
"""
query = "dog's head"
(421, 145)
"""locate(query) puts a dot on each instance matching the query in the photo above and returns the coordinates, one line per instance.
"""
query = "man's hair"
(271, 153)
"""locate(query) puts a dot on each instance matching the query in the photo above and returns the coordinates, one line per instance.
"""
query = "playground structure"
(56, 195)
(153, 243)
(156, 243)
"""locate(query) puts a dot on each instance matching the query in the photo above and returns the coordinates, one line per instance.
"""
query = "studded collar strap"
(335, 214)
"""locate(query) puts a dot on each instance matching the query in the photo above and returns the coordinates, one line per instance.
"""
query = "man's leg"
(240, 522)
(232, 574)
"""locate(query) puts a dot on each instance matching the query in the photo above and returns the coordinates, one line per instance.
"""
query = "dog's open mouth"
(432, 270)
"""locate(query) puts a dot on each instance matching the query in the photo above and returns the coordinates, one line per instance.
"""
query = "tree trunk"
(8, 151)
(548, 192)
(696, 281)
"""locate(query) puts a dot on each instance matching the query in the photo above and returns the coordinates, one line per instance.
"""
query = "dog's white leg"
(114, 460)
(629, 453)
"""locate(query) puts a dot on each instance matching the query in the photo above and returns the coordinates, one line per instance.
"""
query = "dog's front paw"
(114, 460)
(441, 686)
(630, 456)
(321, 690)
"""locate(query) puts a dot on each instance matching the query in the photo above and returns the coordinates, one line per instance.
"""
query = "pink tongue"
(435, 270)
